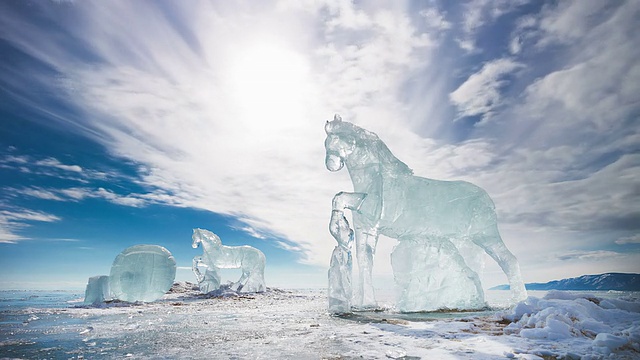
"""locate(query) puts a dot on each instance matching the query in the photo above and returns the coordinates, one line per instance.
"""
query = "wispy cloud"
(251, 231)
(109, 195)
(54, 163)
(435, 19)
(12, 221)
(79, 194)
(38, 193)
(479, 13)
(588, 255)
(634, 239)
(28, 215)
(43, 166)
(480, 94)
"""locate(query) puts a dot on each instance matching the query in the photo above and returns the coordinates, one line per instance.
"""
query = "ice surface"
(142, 273)
(217, 256)
(436, 223)
(97, 290)
(294, 324)
(340, 267)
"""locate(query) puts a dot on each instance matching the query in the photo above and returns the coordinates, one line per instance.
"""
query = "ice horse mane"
(369, 141)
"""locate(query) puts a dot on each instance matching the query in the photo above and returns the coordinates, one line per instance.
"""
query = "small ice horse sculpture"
(217, 256)
(431, 219)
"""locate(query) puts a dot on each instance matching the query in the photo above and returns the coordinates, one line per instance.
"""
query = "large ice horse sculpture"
(217, 256)
(431, 219)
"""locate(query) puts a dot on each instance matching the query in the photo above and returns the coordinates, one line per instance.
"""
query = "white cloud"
(118, 199)
(480, 93)
(595, 90)
(346, 15)
(515, 46)
(526, 29)
(252, 232)
(478, 13)
(7, 235)
(11, 221)
(435, 19)
(15, 159)
(76, 194)
(48, 167)
(633, 239)
(40, 194)
(570, 21)
(565, 138)
(563, 163)
(588, 255)
(28, 215)
(55, 163)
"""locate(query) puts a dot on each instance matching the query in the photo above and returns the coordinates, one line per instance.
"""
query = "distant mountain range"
(608, 281)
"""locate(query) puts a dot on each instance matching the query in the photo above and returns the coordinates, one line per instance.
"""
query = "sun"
(266, 80)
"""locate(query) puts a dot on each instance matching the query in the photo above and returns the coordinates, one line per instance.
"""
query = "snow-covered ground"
(294, 324)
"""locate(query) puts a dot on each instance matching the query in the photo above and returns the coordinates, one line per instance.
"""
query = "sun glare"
(267, 81)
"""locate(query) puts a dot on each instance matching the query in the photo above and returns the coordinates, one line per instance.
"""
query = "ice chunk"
(340, 268)
(433, 221)
(564, 316)
(609, 342)
(441, 273)
(97, 290)
(142, 273)
(217, 256)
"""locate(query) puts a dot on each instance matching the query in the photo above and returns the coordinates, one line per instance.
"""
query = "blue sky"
(133, 122)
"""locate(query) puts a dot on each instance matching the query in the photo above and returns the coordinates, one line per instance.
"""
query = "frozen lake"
(294, 324)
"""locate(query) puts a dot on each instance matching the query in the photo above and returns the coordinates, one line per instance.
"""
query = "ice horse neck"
(365, 152)
(209, 240)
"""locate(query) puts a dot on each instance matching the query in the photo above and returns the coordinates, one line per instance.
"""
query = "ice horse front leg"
(197, 261)
(340, 267)
(366, 240)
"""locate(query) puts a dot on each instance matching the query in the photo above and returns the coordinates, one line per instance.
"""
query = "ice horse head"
(429, 218)
(205, 237)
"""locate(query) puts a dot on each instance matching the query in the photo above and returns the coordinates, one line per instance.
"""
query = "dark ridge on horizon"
(606, 281)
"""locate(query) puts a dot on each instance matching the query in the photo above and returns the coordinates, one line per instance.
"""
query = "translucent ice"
(433, 220)
(217, 256)
(97, 290)
(430, 275)
(142, 273)
(340, 268)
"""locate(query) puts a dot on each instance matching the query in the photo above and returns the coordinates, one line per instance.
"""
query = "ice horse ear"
(328, 126)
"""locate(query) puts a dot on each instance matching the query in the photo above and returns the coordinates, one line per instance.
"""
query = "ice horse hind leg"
(491, 242)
